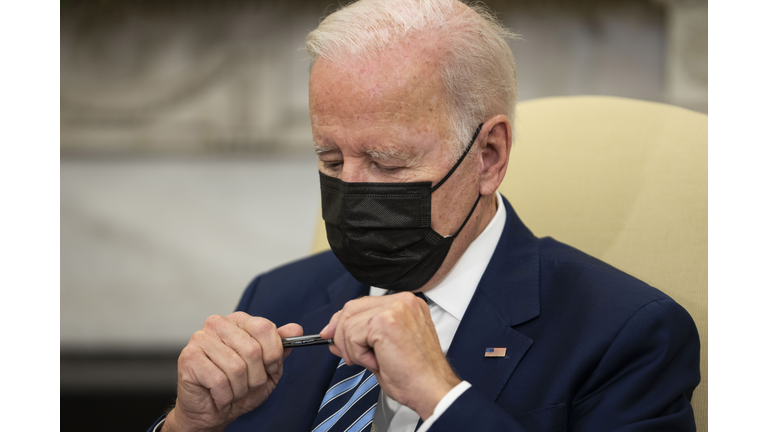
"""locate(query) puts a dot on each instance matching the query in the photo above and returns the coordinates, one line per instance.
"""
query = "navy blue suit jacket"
(589, 348)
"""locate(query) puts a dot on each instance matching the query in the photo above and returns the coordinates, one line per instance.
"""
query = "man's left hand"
(394, 337)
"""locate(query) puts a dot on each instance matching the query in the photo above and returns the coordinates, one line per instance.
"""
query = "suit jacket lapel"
(319, 362)
(342, 290)
(507, 295)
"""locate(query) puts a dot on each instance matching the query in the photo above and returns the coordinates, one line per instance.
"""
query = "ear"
(494, 153)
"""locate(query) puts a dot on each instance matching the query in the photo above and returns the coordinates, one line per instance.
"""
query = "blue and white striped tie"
(350, 402)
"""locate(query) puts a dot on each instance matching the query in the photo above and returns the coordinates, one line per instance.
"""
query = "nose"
(355, 172)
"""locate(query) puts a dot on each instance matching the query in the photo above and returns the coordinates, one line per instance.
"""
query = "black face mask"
(381, 232)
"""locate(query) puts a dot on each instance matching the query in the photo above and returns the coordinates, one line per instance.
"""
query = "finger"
(197, 368)
(227, 360)
(265, 332)
(368, 302)
(248, 348)
(329, 332)
(411, 300)
(339, 338)
(289, 330)
(334, 349)
(352, 307)
(357, 332)
(330, 329)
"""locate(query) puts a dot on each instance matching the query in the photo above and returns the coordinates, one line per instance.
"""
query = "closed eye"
(389, 169)
(332, 165)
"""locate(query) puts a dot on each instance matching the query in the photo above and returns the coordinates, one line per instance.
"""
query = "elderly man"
(412, 107)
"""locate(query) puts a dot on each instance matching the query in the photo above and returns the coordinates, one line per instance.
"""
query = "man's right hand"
(228, 368)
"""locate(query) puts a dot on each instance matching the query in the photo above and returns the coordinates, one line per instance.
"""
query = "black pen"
(300, 341)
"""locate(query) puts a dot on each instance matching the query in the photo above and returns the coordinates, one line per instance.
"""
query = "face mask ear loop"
(468, 216)
(474, 137)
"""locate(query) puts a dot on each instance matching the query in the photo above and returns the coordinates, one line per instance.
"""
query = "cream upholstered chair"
(623, 180)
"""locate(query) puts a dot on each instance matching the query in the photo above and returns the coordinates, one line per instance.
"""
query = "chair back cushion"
(626, 182)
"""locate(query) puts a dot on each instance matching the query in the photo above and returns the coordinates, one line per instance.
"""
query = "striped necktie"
(350, 402)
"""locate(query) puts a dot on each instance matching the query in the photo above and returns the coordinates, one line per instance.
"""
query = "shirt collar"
(455, 291)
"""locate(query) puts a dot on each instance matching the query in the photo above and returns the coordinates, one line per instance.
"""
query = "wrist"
(176, 422)
(425, 405)
(171, 423)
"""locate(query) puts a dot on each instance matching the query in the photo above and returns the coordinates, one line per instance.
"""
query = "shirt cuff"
(444, 404)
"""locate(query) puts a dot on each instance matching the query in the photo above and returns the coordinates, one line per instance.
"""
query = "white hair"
(477, 70)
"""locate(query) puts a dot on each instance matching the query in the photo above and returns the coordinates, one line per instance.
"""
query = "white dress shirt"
(447, 303)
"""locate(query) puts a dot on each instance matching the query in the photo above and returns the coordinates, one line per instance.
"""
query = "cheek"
(450, 209)
(453, 201)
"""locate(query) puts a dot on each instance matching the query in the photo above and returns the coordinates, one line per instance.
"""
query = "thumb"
(289, 330)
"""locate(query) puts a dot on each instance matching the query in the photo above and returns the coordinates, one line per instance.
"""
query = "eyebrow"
(389, 154)
(376, 154)
(320, 149)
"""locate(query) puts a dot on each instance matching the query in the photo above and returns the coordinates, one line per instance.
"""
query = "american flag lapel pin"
(495, 352)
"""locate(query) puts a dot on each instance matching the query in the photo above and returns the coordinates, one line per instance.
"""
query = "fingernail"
(323, 330)
(227, 408)
(273, 368)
